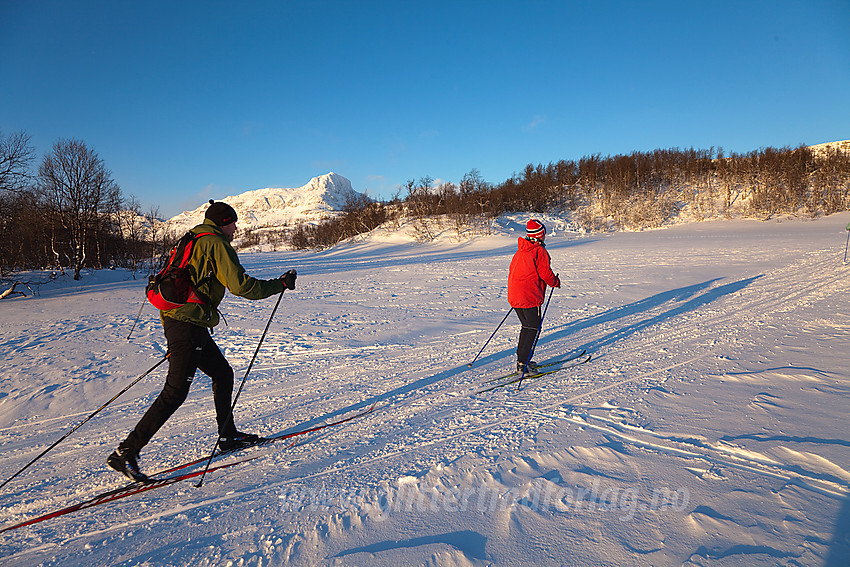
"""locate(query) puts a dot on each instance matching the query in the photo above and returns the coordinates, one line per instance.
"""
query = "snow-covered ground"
(711, 428)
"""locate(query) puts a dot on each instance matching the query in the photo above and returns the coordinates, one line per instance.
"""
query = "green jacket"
(213, 255)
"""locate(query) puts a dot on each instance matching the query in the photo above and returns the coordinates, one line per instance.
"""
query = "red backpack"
(172, 286)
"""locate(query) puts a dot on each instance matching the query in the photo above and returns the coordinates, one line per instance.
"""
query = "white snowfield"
(710, 428)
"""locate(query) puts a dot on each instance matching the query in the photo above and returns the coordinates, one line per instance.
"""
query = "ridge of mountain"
(322, 197)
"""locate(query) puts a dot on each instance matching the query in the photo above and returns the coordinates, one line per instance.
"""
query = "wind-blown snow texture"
(710, 429)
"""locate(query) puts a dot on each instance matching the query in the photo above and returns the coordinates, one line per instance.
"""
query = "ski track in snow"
(710, 350)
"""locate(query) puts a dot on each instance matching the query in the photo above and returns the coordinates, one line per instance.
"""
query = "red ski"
(123, 492)
(138, 487)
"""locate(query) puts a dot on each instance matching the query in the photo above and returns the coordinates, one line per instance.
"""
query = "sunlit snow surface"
(710, 428)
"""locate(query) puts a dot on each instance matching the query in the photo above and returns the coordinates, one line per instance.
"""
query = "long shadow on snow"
(470, 543)
(402, 255)
(839, 548)
(694, 296)
(90, 284)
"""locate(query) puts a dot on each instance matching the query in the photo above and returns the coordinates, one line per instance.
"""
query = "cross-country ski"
(439, 284)
(698, 392)
(543, 370)
(166, 477)
(545, 365)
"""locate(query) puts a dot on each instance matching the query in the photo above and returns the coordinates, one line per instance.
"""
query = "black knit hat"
(220, 213)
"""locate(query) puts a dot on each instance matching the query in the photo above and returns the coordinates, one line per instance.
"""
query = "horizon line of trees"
(634, 191)
(67, 214)
(70, 213)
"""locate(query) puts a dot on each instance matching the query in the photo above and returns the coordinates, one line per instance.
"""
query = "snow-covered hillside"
(710, 428)
(322, 197)
(842, 146)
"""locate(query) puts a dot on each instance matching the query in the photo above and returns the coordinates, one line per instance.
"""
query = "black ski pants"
(529, 318)
(190, 348)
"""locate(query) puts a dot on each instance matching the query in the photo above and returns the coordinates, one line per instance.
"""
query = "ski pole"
(491, 337)
(137, 320)
(534, 345)
(98, 410)
(845, 246)
(239, 391)
(540, 328)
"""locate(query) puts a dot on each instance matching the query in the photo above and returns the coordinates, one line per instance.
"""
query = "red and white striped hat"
(534, 229)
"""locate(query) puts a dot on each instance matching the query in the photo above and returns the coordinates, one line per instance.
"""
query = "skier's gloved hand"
(558, 281)
(288, 279)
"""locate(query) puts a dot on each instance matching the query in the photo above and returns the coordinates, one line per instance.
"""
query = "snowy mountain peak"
(333, 187)
(322, 197)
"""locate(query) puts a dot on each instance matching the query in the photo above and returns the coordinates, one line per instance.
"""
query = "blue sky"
(187, 101)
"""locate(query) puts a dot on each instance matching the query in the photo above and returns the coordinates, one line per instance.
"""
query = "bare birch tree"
(81, 194)
(16, 157)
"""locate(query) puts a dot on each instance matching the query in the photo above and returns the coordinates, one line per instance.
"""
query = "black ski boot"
(530, 368)
(238, 441)
(125, 461)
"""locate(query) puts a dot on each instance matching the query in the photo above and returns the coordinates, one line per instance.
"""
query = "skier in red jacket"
(528, 277)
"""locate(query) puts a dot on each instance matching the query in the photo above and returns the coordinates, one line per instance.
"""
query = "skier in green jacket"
(190, 345)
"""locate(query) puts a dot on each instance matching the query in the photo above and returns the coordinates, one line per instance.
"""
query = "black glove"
(288, 279)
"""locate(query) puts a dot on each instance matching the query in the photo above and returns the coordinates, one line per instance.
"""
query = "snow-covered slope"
(710, 428)
(322, 197)
(843, 146)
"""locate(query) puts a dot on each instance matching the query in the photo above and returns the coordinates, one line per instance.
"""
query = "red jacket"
(529, 275)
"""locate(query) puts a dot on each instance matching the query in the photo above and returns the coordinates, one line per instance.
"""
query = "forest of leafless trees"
(635, 191)
(67, 212)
